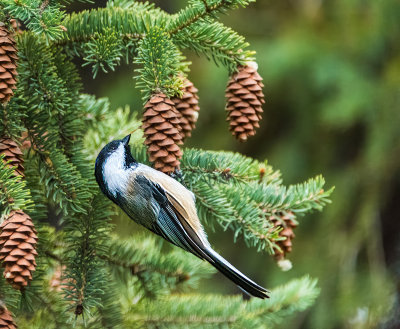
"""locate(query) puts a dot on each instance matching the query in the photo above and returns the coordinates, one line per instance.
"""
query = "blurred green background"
(332, 76)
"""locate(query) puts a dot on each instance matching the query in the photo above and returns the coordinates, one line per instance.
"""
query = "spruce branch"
(86, 237)
(39, 82)
(211, 311)
(217, 166)
(143, 257)
(299, 198)
(35, 292)
(132, 23)
(217, 42)
(9, 295)
(159, 65)
(113, 125)
(134, 5)
(202, 9)
(13, 191)
(110, 313)
(42, 18)
(44, 5)
(46, 96)
(132, 282)
(64, 185)
(103, 51)
(230, 208)
(95, 110)
(241, 194)
(32, 177)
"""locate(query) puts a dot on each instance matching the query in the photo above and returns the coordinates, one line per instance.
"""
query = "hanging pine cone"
(13, 154)
(161, 127)
(6, 319)
(286, 221)
(188, 107)
(17, 248)
(244, 101)
(8, 64)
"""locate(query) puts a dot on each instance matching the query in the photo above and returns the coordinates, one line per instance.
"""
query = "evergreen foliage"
(109, 282)
(14, 194)
(332, 76)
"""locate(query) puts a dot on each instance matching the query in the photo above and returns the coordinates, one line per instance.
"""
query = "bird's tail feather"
(236, 276)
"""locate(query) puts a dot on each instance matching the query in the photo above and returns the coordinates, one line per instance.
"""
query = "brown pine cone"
(6, 319)
(8, 64)
(18, 248)
(244, 101)
(161, 127)
(286, 221)
(188, 107)
(13, 154)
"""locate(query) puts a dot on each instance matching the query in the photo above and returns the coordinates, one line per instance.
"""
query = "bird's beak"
(126, 139)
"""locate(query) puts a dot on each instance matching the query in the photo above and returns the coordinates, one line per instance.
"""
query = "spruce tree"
(64, 264)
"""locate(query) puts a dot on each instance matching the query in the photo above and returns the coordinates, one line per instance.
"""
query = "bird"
(163, 205)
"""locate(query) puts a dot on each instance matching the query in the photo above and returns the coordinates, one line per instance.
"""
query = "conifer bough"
(137, 282)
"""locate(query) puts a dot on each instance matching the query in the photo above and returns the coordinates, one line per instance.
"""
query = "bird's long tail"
(236, 276)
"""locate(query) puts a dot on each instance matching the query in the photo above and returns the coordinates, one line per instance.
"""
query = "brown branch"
(206, 5)
(43, 6)
(92, 36)
(207, 10)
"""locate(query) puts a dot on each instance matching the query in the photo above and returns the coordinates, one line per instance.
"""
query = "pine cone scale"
(6, 320)
(244, 100)
(162, 130)
(287, 223)
(8, 64)
(188, 107)
(18, 249)
(13, 155)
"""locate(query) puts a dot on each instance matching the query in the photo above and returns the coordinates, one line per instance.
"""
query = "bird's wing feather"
(180, 198)
(172, 226)
(175, 229)
(177, 205)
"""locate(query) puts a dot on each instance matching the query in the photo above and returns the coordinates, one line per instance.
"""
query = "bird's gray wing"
(171, 225)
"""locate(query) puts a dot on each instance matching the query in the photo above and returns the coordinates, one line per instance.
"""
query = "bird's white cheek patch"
(115, 175)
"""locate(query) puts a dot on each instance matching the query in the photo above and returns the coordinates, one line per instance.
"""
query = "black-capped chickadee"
(161, 204)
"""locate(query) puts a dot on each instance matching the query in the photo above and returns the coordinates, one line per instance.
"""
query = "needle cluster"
(108, 280)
